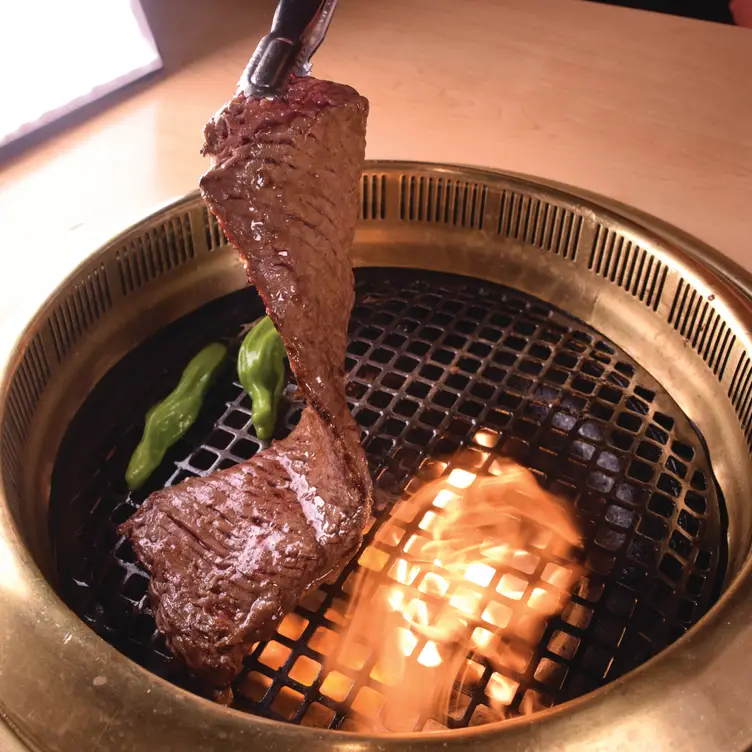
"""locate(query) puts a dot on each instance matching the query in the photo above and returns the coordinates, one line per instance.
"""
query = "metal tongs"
(298, 29)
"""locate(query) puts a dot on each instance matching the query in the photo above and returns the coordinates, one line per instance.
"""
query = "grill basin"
(445, 372)
(657, 298)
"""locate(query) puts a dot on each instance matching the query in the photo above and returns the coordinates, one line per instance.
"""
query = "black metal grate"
(445, 372)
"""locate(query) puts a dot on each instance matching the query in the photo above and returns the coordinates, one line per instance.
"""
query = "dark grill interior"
(445, 372)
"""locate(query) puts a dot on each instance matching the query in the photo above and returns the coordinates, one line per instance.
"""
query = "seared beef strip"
(230, 554)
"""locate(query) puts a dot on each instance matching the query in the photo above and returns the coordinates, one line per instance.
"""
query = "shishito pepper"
(170, 419)
(261, 370)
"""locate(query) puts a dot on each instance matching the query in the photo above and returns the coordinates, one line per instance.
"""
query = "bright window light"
(58, 55)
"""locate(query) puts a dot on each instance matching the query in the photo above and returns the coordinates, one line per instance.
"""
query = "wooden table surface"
(652, 110)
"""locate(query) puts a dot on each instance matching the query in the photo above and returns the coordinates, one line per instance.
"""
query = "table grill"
(496, 317)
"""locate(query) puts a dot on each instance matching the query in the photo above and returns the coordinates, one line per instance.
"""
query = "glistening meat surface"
(230, 554)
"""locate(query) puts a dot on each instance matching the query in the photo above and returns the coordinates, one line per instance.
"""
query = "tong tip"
(298, 30)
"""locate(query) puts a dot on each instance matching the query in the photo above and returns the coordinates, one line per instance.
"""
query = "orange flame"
(464, 578)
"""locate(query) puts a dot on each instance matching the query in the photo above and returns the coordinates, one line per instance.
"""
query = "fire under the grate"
(450, 378)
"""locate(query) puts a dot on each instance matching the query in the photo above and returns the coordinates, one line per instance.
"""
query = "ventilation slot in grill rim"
(215, 236)
(542, 224)
(373, 197)
(443, 200)
(35, 368)
(85, 304)
(29, 382)
(694, 317)
(26, 389)
(163, 247)
(14, 433)
(740, 392)
(629, 266)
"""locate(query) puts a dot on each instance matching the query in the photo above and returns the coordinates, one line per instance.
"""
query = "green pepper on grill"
(169, 420)
(261, 370)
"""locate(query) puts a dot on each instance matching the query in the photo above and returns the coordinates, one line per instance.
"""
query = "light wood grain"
(651, 110)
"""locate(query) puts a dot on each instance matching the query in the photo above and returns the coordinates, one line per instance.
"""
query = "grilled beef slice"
(231, 553)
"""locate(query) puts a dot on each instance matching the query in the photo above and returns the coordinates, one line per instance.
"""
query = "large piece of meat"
(230, 554)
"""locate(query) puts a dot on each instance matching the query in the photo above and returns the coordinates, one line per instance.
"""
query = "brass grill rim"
(78, 317)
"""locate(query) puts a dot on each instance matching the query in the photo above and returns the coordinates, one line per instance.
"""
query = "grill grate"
(446, 373)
